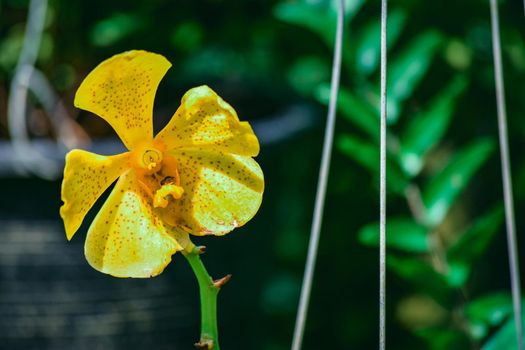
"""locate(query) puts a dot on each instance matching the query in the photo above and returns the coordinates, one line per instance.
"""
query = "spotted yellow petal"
(121, 90)
(127, 239)
(205, 120)
(221, 191)
(86, 177)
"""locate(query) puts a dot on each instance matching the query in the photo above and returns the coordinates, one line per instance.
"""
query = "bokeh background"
(448, 281)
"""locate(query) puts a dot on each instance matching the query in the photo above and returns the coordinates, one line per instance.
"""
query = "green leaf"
(318, 16)
(486, 312)
(367, 52)
(443, 189)
(114, 28)
(426, 129)
(359, 150)
(402, 233)
(471, 245)
(354, 109)
(308, 73)
(443, 338)
(367, 154)
(321, 21)
(187, 36)
(10, 47)
(505, 337)
(423, 277)
(407, 70)
(458, 54)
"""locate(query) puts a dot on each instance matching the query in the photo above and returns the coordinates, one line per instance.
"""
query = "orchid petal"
(86, 176)
(121, 90)
(127, 239)
(221, 192)
(205, 120)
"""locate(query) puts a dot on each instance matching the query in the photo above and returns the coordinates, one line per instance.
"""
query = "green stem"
(208, 290)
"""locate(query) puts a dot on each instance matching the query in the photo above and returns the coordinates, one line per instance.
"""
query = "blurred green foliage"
(448, 280)
(428, 248)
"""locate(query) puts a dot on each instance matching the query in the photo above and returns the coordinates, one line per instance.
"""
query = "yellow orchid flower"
(197, 176)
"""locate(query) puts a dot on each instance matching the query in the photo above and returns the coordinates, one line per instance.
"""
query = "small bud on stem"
(204, 345)
(221, 281)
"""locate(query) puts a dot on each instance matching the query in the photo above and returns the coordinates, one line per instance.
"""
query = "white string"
(321, 186)
(382, 184)
(27, 78)
(18, 94)
(506, 175)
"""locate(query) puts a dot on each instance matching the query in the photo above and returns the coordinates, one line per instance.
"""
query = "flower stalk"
(208, 290)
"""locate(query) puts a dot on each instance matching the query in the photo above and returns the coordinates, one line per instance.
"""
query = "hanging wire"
(506, 174)
(27, 78)
(321, 185)
(18, 93)
(382, 184)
